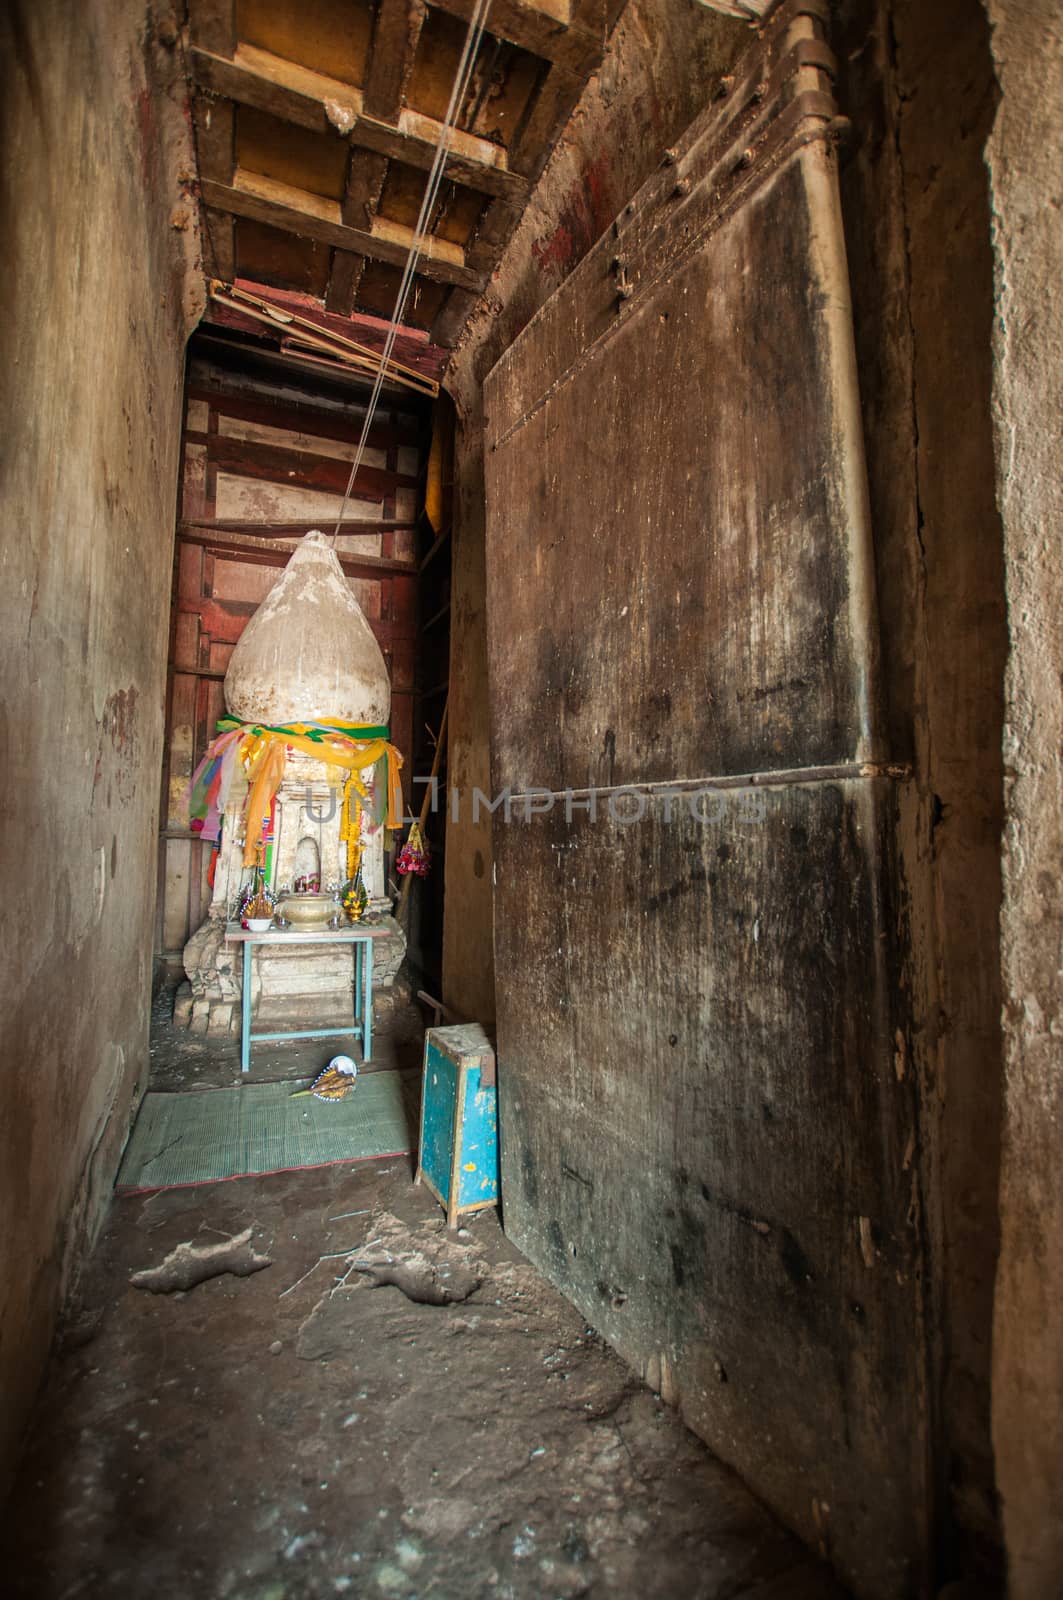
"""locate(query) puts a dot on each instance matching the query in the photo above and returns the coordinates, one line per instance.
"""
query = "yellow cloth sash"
(264, 754)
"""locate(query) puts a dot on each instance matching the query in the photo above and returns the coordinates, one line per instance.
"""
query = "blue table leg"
(245, 1012)
(367, 1001)
(357, 949)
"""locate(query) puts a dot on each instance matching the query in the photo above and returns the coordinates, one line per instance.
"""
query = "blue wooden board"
(479, 1145)
(459, 1118)
(440, 1102)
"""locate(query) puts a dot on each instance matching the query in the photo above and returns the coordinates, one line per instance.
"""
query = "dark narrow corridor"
(530, 579)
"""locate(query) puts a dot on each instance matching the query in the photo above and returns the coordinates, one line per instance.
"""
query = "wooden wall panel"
(707, 1141)
(745, 652)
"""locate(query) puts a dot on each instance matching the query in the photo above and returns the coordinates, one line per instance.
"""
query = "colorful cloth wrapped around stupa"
(261, 752)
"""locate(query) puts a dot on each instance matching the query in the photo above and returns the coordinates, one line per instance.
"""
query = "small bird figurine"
(335, 1082)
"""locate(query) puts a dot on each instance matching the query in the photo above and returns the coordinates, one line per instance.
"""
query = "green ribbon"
(306, 730)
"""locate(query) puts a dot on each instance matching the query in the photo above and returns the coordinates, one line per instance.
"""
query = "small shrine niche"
(306, 868)
(308, 657)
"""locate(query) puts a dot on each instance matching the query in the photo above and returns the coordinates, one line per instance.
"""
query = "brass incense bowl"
(308, 912)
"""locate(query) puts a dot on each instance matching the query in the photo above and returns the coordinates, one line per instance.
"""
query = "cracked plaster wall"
(1025, 158)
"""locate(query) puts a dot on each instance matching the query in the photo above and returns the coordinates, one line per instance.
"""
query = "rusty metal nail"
(683, 186)
(724, 87)
(670, 157)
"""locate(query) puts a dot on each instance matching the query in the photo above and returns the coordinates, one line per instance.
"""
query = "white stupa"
(308, 652)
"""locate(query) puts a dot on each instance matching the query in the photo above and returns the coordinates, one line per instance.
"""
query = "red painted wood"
(402, 659)
(299, 418)
(218, 621)
(412, 349)
(276, 465)
(366, 567)
(189, 570)
(404, 599)
(186, 636)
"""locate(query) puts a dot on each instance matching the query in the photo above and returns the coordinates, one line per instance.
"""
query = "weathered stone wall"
(97, 229)
(1025, 153)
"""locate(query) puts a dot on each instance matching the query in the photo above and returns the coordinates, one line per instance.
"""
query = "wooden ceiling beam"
(746, 10)
(394, 45)
(569, 37)
(213, 25)
(554, 105)
(543, 32)
(308, 216)
(220, 232)
(345, 275)
(310, 100)
(590, 23)
(395, 37)
(599, 16)
(215, 124)
(365, 180)
(366, 174)
(272, 552)
(496, 227)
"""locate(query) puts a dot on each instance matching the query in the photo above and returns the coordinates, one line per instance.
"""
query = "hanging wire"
(458, 92)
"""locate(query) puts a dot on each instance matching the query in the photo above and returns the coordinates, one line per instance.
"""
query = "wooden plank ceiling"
(317, 122)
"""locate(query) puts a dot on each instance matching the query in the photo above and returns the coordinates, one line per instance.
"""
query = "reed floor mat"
(204, 1136)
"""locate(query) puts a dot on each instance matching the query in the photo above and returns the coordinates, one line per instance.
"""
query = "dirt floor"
(383, 1410)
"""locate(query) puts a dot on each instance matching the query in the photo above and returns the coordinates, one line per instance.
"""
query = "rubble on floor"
(387, 1410)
